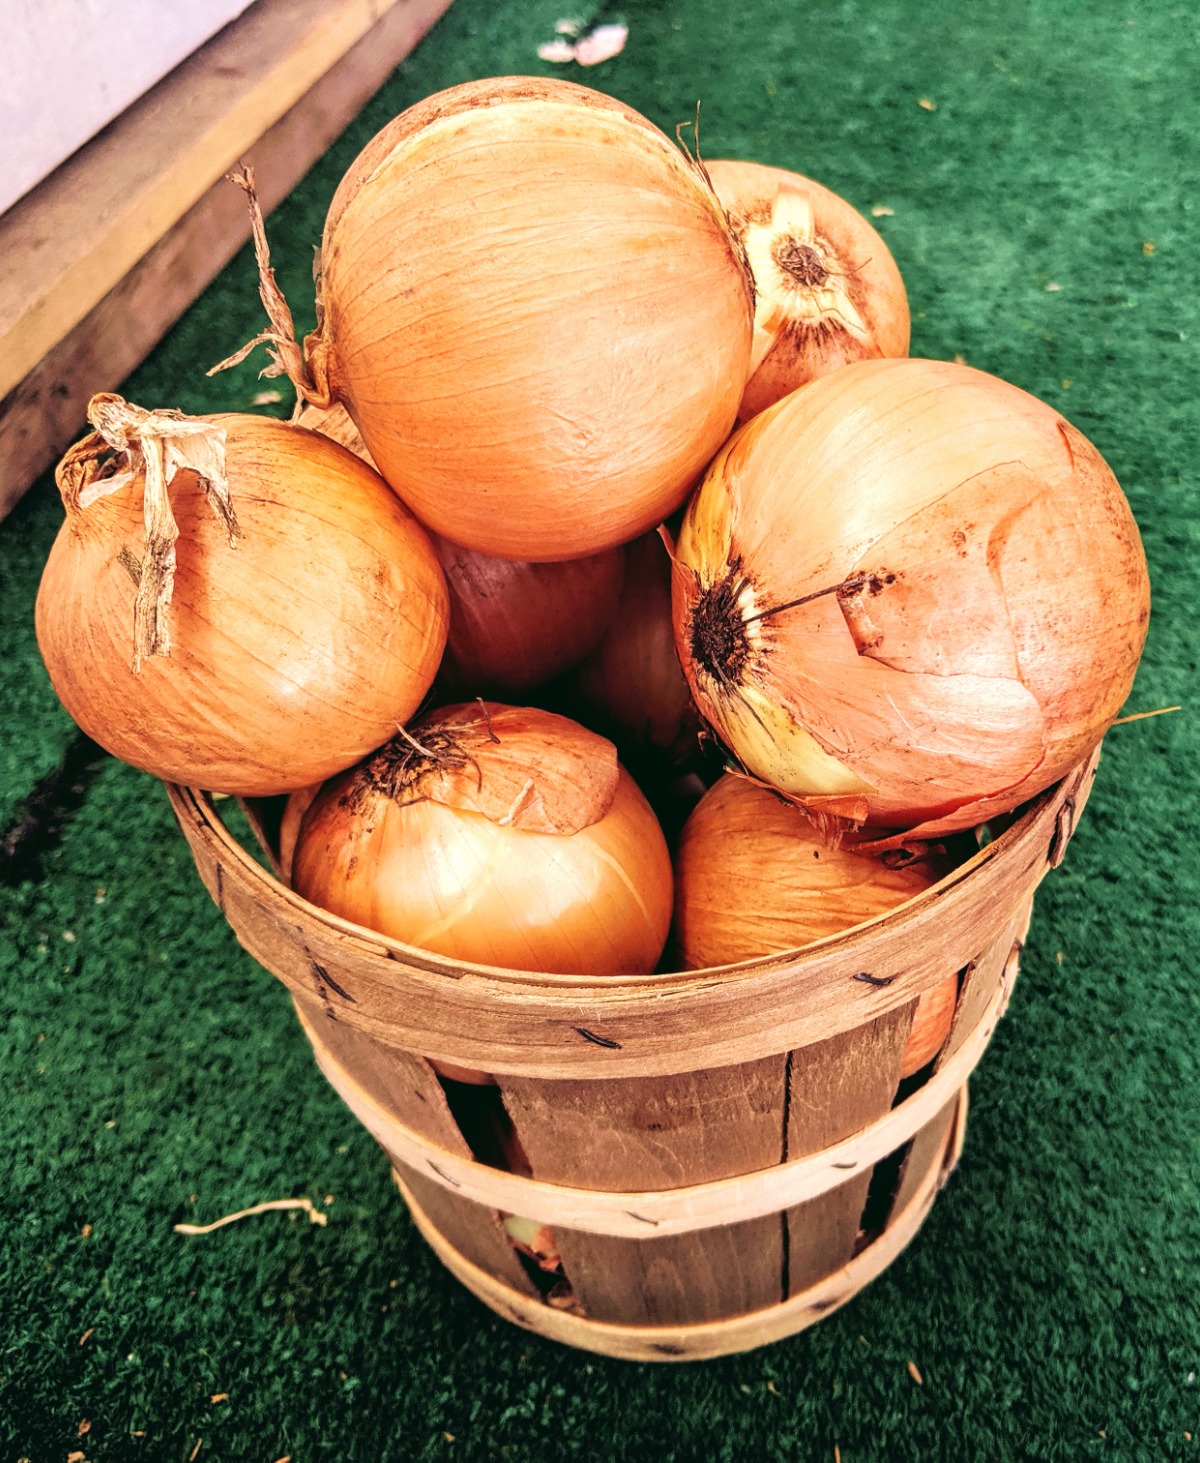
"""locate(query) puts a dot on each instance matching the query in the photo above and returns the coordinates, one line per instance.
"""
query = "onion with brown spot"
(910, 595)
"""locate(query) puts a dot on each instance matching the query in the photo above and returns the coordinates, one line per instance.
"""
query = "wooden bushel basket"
(722, 1156)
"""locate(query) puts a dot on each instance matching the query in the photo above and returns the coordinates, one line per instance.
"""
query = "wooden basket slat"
(408, 1086)
(922, 1151)
(678, 1280)
(978, 985)
(658, 1133)
(651, 1133)
(835, 1088)
(474, 1230)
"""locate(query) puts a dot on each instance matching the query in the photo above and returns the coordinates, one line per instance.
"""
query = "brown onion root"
(157, 444)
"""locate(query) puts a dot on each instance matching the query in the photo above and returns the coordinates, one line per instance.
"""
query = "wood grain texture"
(658, 1133)
(663, 1211)
(678, 1280)
(522, 1023)
(696, 1342)
(922, 1151)
(836, 1088)
(980, 979)
(85, 305)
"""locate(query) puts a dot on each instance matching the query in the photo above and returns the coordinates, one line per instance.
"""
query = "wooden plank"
(636, 1134)
(474, 1231)
(60, 351)
(835, 1088)
(407, 1087)
(923, 1151)
(678, 1280)
(642, 1133)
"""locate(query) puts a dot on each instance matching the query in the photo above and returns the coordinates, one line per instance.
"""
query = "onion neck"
(130, 443)
(306, 368)
(397, 771)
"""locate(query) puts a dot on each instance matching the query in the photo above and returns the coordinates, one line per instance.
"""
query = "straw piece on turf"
(314, 1214)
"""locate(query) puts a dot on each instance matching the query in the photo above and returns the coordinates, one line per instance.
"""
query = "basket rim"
(525, 1024)
(200, 808)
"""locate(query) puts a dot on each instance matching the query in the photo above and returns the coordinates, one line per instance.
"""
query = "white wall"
(71, 66)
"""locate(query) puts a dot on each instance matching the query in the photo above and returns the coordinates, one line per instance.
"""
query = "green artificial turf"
(1043, 211)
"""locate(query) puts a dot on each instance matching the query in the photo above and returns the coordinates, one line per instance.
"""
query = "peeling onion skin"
(979, 596)
(753, 878)
(294, 653)
(421, 864)
(536, 314)
(828, 291)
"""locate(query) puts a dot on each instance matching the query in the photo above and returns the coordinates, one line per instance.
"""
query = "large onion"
(827, 288)
(534, 309)
(513, 625)
(496, 835)
(262, 665)
(910, 594)
(752, 879)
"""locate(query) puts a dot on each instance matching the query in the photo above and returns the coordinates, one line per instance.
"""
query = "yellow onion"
(827, 288)
(273, 641)
(631, 684)
(513, 625)
(516, 625)
(910, 594)
(535, 312)
(753, 878)
(497, 835)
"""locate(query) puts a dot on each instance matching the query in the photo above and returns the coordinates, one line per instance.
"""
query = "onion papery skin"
(418, 863)
(536, 314)
(974, 596)
(632, 684)
(514, 625)
(827, 290)
(293, 653)
(753, 879)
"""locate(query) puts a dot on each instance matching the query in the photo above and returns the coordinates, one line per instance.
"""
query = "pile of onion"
(753, 879)
(910, 595)
(497, 835)
(233, 602)
(534, 309)
(827, 288)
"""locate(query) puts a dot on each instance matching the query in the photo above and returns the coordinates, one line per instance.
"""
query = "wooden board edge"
(44, 412)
